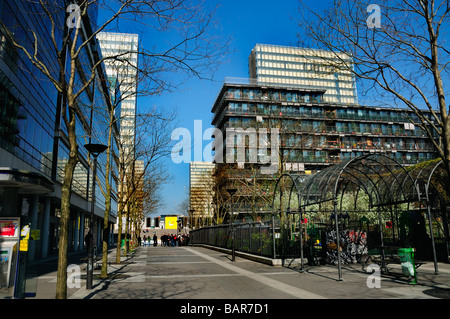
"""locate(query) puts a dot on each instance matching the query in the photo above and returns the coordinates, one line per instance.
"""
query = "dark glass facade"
(33, 135)
(28, 98)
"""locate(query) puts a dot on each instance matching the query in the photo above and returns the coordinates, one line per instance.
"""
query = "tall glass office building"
(33, 136)
(201, 191)
(306, 68)
(124, 74)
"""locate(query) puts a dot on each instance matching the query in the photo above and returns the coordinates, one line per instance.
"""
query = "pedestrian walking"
(88, 239)
(155, 240)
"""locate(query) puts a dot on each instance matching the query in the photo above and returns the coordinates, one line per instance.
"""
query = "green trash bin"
(406, 256)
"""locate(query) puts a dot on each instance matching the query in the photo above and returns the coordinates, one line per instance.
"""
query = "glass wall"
(28, 99)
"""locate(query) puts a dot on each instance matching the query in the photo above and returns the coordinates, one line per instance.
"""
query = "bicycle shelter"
(385, 182)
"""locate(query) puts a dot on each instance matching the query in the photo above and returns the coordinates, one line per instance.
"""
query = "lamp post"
(232, 191)
(95, 150)
(191, 214)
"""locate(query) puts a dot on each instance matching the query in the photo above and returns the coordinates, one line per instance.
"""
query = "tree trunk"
(61, 283)
(119, 215)
(104, 272)
(119, 236)
(127, 225)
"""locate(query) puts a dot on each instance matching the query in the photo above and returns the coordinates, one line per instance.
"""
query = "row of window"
(302, 57)
(351, 142)
(311, 126)
(361, 114)
(321, 156)
(333, 93)
(80, 183)
(325, 80)
(272, 95)
(344, 96)
(255, 140)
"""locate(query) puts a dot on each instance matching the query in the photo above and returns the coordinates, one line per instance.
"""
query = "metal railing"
(253, 238)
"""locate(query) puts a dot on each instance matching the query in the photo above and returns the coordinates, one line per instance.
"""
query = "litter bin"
(406, 256)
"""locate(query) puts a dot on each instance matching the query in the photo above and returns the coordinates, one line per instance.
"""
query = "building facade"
(33, 136)
(314, 133)
(122, 71)
(306, 68)
(317, 123)
(201, 182)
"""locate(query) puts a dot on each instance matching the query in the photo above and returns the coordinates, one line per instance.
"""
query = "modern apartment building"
(33, 136)
(314, 133)
(314, 129)
(201, 191)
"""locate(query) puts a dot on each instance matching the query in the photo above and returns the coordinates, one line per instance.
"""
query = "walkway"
(199, 273)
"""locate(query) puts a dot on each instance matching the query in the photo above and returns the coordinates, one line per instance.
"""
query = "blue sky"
(247, 22)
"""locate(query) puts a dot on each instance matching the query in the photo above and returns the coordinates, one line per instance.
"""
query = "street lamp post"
(95, 150)
(191, 214)
(232, 191)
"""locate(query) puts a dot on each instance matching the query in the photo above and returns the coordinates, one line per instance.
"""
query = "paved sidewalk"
(195, 273)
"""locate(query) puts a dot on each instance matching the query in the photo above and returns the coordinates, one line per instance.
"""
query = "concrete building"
(201, 189)
(315, 128)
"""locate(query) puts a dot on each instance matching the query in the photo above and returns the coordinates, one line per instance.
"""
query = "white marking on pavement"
(179, 262)
(291, 290)
(192, 276)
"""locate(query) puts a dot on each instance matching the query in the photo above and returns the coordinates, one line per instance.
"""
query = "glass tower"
(124, 75)
(305, 68)
(201, 189)
(33, 135)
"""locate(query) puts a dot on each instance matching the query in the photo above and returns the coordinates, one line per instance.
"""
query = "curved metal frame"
(294, 183)
(325, 186)
(428, 205)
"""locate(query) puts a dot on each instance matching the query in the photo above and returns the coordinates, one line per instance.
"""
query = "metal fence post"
(273, 236)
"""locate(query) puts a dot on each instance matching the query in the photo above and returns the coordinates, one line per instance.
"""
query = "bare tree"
(399, 52)
(193, 52)
(138, 167)
(138, 170)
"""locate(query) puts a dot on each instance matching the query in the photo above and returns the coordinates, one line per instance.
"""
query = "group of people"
(168, 240)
